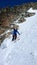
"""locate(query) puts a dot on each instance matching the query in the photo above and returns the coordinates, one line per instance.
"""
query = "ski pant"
(14, 37)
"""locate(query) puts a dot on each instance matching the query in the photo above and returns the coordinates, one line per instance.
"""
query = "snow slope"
(23, 51)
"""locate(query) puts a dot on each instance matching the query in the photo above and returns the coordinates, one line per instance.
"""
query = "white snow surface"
(23, 51)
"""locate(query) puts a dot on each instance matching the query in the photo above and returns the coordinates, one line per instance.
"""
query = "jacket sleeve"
(18, 32)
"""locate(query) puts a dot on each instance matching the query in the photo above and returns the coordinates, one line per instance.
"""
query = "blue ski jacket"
(15, 32)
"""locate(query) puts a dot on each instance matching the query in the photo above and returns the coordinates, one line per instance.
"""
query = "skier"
(15, 31)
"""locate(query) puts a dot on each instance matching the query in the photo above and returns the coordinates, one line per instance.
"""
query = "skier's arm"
(18, 32)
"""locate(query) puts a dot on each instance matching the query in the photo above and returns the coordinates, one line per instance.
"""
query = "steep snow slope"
(23, 51)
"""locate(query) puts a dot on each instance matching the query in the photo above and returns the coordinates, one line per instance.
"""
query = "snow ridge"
(24, 50)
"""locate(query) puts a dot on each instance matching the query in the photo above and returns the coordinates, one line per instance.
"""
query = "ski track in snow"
(24, 50)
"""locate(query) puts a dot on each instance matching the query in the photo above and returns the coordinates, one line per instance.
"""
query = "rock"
(2, 38)
(1, 31)
(5, 23)
(21, 20)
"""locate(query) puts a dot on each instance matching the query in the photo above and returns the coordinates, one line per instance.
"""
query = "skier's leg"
(13, 38)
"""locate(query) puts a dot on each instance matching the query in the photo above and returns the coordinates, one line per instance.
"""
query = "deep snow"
(24, 50)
